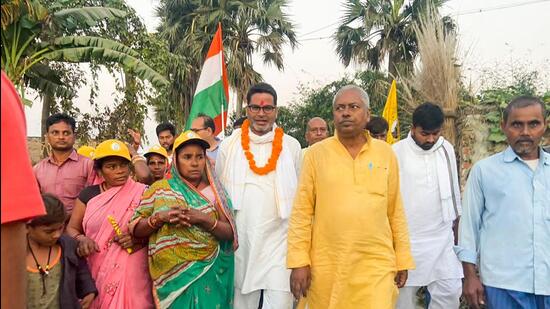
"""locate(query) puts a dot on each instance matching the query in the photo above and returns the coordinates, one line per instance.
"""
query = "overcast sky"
(491, 33)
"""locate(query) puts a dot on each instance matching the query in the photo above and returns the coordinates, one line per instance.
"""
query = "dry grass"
(437, 75)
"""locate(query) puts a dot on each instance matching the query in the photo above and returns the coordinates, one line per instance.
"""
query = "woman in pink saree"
(117, 261)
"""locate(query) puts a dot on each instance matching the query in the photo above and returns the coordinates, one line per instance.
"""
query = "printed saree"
(122, 279)
(190, 268)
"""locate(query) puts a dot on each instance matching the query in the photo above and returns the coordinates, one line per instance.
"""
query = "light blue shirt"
(212, 154)
(506, 223)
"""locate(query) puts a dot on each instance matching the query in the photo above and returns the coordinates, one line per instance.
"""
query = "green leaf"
(129, 63)
(47, 81)
(26, 102)
(88, 16)
(496, 137)
(90, 41)
(493, 116)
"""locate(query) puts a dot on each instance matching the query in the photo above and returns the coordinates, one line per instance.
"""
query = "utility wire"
(467, 12)
(322, 28)
(499, 7)
(314, 39)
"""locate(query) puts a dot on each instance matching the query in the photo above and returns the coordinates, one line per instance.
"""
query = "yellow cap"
(112, 147)
(190, 137)
(87, 151)
(157, 150)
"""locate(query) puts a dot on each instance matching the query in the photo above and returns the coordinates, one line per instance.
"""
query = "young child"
(56, 276)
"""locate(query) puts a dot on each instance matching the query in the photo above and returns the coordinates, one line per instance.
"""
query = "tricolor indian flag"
(212, 95)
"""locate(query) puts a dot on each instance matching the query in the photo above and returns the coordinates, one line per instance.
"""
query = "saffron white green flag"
(212, 95)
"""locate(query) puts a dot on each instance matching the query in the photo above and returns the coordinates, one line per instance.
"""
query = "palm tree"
(249, 27)
(264, 29)
(372, 30)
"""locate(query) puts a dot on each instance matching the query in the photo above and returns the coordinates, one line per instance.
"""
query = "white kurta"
(431, 238)
(260, 261)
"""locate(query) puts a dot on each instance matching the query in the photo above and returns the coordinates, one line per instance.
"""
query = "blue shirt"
(506, 222)
(212, 154)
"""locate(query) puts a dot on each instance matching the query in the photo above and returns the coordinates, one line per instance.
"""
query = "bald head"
(316, 131)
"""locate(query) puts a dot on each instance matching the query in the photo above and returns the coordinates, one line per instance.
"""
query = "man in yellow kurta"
(348, 244)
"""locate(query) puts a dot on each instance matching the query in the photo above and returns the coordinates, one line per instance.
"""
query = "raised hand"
(136, 138)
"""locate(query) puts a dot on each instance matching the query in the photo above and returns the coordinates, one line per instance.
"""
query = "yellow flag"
(390, 114)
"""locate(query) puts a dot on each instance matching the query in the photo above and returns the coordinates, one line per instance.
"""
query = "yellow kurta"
(348, 224)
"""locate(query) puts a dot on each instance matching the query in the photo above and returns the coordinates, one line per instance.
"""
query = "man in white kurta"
(262, 204)
(431, 197)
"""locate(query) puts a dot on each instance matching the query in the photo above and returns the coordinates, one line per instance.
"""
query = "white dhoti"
(260, 261)
(444, 294)
(430, 214)
(262, 204)
(271, 300)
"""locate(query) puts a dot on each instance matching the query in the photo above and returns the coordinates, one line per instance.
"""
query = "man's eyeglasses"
(197, 130)
(268, 109)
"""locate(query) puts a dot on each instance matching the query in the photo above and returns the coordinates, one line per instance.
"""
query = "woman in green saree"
(189, 221)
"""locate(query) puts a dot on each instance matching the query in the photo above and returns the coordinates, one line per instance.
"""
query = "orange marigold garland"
(276, 148)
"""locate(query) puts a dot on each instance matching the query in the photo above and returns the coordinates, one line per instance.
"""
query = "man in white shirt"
(316, 131)
(259, 165)
(431, 196)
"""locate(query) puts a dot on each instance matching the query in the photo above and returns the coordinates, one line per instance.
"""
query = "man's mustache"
(524, 140)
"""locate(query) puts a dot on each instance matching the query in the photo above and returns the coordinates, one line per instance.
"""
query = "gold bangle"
(150, 224)
(153, 222)
(214, 226)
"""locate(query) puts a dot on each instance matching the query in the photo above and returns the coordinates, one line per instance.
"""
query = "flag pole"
(221, 70)
(223, 122)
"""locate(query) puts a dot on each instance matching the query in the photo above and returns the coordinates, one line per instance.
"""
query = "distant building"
(35, 146)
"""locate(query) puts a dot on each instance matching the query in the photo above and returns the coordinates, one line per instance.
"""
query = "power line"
(314, 39)
(467, 12)
(499, 7)
(322, 28)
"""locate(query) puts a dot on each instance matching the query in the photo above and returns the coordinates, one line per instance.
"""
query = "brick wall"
(35, 149)
(472, 139)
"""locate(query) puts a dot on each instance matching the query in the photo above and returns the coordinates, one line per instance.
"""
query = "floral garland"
(276, 149)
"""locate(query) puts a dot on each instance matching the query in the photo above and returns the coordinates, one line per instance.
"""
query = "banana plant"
(26, 44)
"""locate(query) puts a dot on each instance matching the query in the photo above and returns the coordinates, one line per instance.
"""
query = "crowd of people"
(255, 221)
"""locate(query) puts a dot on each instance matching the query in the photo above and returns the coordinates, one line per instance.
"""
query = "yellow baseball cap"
(87, 151)
(190, 137)
(157, 149)
(112, 147)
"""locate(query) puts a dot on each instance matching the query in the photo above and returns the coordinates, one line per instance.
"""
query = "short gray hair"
(362, 93)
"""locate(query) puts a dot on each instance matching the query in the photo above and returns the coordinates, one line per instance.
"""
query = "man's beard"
(425, 146)
(523, 146)
(62, 149)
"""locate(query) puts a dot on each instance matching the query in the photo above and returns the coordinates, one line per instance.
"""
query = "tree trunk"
(187, 101)
(239, 107)
(392, 65)
(47, 102)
